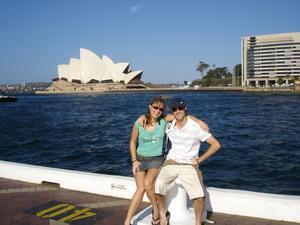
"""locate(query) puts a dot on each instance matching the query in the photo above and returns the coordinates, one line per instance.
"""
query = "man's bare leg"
(198, 204)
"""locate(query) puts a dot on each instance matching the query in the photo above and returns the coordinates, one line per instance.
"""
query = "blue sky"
(165, 39)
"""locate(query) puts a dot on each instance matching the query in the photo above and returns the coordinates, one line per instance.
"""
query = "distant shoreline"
(200, 89)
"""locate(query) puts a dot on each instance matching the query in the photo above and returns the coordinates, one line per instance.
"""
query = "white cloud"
(134, 8)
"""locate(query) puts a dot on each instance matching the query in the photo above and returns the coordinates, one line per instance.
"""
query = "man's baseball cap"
(178, 102)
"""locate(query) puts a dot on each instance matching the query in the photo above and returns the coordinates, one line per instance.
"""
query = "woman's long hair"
(156, 100)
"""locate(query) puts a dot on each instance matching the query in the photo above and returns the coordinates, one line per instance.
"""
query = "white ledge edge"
(236, 202)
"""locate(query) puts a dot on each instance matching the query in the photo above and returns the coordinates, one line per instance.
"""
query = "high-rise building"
(268, 58)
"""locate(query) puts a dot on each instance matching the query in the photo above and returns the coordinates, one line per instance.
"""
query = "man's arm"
(213, 148)
(201, 123)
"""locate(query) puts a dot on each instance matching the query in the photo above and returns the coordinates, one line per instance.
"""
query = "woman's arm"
(132, 148)
(169, 117)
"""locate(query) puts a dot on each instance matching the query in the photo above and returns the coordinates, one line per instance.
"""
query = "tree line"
(217, 76)
(220, 76)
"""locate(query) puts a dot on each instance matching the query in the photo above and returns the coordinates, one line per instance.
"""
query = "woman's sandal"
(168, 217)
(155, 221)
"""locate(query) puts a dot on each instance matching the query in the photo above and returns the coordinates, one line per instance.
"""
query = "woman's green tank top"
(151, 142)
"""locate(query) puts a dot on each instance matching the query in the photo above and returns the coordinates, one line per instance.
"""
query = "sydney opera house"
(91, 73)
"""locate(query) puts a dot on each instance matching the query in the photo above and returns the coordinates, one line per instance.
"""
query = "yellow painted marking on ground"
(76, 214)
(41, 213)
(68, 208)
(45, 211)
(69, 212)
(86, 215)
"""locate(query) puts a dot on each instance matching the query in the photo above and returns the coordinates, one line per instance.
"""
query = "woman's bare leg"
(137, 197)
(149, 182)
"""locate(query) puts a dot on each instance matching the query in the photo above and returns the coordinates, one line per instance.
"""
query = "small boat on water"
(4, 98)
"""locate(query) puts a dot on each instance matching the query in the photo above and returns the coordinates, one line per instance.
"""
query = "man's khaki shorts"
(190, 177)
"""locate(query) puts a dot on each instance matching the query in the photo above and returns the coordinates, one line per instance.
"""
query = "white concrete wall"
(245, 203)
(254, 204)
(116, 186)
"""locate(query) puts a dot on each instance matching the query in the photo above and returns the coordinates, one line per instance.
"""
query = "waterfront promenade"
(25, 203)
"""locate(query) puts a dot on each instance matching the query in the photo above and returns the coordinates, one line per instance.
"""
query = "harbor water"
(259, 133)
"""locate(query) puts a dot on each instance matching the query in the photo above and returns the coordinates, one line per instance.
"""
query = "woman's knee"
(148, 185)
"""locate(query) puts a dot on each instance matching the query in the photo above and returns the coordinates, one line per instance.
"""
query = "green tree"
(291, 80)
(222, 72)
(218, 73)
(219, 76)
(201, 67)
(196, 82)
(280, 81)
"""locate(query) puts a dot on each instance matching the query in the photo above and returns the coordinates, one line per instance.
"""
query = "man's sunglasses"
(156, 108)
(175, 108)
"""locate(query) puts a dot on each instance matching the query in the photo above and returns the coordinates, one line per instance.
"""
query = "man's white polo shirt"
(185, 142)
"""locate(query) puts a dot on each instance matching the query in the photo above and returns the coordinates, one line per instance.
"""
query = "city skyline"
(164, 39)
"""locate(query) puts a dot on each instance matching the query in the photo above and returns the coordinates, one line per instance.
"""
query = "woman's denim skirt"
(148, 162)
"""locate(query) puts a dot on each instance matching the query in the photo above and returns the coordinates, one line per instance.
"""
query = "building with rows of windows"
(268, 58)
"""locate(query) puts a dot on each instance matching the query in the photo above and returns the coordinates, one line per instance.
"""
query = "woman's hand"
(135, 167)
(195, 161)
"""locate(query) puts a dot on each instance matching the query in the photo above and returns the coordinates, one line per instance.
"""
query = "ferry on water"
(4, 98)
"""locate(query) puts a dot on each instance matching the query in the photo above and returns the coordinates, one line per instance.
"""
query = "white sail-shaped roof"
(121, 67)
(111, 69)
(75, 69)
(130, 76)
(91, 66)
(63, 71)
(109, 73)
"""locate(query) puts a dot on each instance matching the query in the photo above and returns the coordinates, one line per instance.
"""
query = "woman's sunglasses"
(175, 108)
(156, 108)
